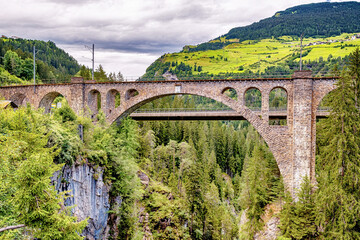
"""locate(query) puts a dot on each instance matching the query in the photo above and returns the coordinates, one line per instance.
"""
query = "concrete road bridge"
(293, 145)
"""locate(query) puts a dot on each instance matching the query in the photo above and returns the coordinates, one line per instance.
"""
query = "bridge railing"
(277, 109)
(159, 110)
(323, 109)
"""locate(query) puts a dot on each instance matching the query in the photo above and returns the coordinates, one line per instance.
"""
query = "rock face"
(88, 195)
(271, 230)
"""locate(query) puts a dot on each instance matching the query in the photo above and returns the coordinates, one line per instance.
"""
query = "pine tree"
(338, 197)
(30, 165)
(298, 218)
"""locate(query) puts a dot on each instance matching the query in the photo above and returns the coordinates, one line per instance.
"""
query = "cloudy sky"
(130, 34)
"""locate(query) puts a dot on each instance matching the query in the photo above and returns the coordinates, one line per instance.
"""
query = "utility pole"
(92, 50)
(34, 74)
(301, 46)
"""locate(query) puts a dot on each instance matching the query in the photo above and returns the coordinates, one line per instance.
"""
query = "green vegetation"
(331, 211)
(314, 20)
(27, 164)
(265, 57)
(182, 180)
(52, 63)
(190, 180)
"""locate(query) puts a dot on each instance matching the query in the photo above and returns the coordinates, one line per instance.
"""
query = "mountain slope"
(317, 19)
(52, 62)
(272, 46)
(314, 20)
(266, 57)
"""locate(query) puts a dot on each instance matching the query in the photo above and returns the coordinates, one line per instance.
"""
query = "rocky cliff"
(88, 195)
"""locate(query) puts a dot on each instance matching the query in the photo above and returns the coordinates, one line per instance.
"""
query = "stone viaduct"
(293, 145)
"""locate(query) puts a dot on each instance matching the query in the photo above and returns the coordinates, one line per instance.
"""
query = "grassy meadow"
(258, 55)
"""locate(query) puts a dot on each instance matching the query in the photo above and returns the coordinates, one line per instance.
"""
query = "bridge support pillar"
(302, 129)
(77, 90)
(265, 107)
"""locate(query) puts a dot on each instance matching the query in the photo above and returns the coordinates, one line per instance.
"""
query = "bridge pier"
(77, 95)
(302, 129)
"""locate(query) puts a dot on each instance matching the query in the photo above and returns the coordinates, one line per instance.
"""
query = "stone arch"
(321, 89)
(19, 99)
(94, 102)
(276, 103)
(276, 140)
(252, 98)
(131, 93)
(47, 100)
(230, 92)
(319, 100)
(112, 97)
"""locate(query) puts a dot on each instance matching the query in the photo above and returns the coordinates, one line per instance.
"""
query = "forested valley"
(204, 180)
(181, 180)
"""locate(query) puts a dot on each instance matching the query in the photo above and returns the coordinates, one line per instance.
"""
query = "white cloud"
(130, 35)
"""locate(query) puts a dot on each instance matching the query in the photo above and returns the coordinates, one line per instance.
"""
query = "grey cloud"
(70, 2)
(133, 26)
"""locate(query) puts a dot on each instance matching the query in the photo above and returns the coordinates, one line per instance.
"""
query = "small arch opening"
(112, 100)
(52, 100)
(324, 104)
(252, 99)
(19, 99)
(278, 99)
(94, 102)
(230, 92)
(131, 93)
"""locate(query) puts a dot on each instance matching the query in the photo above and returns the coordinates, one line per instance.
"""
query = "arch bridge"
(293, 145)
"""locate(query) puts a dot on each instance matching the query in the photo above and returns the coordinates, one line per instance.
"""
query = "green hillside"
(318, 19)
(267, 56)
(16, 61)
(314, 20)
(271, 47)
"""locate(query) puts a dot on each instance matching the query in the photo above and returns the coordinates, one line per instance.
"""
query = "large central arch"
(275, 136)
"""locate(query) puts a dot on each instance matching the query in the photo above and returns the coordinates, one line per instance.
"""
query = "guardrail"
(255, 109)
(323, 109)
(157, 110)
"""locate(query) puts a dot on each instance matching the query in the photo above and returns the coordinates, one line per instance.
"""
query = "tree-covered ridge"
(51, 61)
(314, 20)
(317, 19)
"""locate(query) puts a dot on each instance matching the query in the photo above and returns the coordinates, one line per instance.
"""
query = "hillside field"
(257, 55)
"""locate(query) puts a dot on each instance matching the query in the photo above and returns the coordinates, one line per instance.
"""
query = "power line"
(92, 50)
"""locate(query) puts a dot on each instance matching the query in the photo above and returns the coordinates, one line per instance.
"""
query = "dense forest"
(314, 20)
(206, 180)
(52, 63)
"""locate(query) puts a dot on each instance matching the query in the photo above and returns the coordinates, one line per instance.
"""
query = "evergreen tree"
(100, 74)
(338, 198)
(27, 166)
(12, 63)
(298, 218)
(85, 72)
